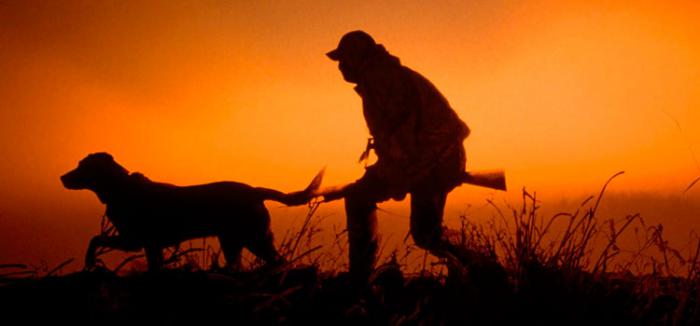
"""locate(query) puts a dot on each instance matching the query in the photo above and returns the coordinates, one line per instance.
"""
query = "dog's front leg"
(154, 255)
(91, 255)
(99, 241)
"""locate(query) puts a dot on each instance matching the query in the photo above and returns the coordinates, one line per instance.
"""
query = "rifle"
(494, 179)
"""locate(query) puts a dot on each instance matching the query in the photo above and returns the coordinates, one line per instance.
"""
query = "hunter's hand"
(333, 193)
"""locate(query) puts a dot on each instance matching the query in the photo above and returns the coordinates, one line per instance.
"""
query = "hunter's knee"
(428, 240)
(357, 203)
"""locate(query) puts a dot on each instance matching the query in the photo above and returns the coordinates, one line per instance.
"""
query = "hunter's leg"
(361, 224)
(426, 221)
(428, 231)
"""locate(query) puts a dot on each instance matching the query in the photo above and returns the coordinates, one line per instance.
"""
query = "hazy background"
(560, 94)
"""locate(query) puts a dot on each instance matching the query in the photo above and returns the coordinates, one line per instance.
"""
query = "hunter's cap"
(352, 43)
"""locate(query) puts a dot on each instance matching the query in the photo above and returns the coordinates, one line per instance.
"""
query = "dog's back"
(168, 214)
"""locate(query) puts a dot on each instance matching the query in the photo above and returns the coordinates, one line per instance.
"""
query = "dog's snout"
(68, 180)
(65, 180)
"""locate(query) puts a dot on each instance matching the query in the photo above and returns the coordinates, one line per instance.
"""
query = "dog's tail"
(297, 197)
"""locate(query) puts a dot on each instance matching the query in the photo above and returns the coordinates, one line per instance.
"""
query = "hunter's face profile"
(349, 70)
(353, 48)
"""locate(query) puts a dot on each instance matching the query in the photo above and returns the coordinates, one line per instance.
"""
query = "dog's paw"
(93, 265)
(89, 268)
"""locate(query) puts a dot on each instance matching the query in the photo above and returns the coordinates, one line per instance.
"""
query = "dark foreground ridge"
(304, 296)
(519, 271)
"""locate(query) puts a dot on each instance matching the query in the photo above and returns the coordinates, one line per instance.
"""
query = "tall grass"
(547, 259)
(579, 248)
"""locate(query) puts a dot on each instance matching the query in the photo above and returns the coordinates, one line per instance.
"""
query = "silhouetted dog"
(153, 215)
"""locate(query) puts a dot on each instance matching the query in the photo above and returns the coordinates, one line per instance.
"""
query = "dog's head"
(94, 172)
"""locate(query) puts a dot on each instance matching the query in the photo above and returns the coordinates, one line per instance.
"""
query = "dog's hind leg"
(154, 255)
(232, 248)
(265, 249)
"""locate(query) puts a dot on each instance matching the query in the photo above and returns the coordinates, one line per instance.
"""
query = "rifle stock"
(494, 179)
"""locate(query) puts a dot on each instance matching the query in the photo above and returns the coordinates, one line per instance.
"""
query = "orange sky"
(560, 94)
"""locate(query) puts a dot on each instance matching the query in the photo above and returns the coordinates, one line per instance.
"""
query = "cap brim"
(334, 55)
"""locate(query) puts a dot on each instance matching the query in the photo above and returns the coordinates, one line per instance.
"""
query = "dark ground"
(557, 281)
(304, 296)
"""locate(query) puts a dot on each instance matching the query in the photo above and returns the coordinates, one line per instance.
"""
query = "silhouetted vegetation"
(529, 269)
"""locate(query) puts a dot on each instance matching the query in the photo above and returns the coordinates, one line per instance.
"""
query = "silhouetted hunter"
(153, 215)
(417, 138)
